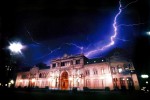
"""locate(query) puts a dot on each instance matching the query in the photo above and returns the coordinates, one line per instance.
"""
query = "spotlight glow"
(15, 47)
(144, 76)
(148, 33)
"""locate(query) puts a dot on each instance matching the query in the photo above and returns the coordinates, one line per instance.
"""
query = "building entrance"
(64, 81)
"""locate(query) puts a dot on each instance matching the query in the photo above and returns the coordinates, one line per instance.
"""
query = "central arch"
(64, 81)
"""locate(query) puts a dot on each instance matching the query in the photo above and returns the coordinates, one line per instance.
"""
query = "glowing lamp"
(70, 78)
(20, 80)
(148, 33)
(12, 81)
(120, 70)
(144, 76)
(15, 47)
(33, 80)
(49, 79)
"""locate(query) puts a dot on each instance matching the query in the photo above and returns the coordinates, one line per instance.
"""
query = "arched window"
(113, 70)
(87, 72)
(40, 75)
(95, 71)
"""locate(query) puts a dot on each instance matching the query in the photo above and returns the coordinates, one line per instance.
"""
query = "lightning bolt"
(124, 40)
(115, 26)
(60, 47)
(129, 4)
(130, 24)
(32, 38)
(77, 46)
(112, 37)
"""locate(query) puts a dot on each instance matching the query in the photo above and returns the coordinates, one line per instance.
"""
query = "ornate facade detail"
(78, 71)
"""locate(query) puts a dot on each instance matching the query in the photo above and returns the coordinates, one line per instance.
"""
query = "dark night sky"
(45, 25)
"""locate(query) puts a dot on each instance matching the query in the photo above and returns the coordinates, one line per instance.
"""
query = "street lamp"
(12, 81)
(144, 76)
(148, 33)
(15, 47)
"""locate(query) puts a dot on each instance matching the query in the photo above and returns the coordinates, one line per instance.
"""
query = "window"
(54, 65)
(40, 75)
(115, 82)
(62, 63)
(130, 66)
(122, 81)
(24, 76)
(102, 70)
(95, 71)
(113, 70)
(58, 64)
(31, 75)
(77, 61)
(71, 62)
(119, 69)
(67, 63)
(96, 83)
(87, 83)
(87, 72)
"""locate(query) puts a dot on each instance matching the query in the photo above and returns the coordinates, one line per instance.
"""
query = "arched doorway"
(64, 81)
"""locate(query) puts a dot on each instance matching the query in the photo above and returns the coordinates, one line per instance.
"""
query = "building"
(77, 71)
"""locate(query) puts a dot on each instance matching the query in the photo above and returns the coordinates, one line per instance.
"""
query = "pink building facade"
(78, 71)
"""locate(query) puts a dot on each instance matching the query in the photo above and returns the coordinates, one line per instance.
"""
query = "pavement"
(45, 94)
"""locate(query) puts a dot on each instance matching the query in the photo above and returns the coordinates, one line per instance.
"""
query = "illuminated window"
(102, 70)
(115, 82)
(122, 82)
(113, 70)
(119, 69)
(67, 63)
(88, 83)
(96, 83)
(129, 82)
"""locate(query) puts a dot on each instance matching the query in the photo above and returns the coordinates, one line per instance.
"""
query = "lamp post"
(15, 49)
(145, 82)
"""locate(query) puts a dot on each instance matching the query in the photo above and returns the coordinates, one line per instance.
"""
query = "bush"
(107, 89)
(85, 88)
(46, 87)
(116, 88)
(36, 87)
(74, 89)
(19, 87)
(25, 87)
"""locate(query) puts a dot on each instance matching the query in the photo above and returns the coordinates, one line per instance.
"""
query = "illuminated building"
(77, 71)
